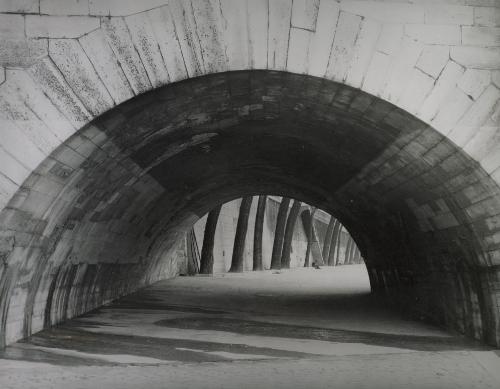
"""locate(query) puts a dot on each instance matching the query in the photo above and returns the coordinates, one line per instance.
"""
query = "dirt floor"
(300, 328)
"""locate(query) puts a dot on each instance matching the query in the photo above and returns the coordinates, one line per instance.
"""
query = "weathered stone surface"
(164, 30)
(474, 82)
(385, 12)
(322, 40)
(22, 52)
(145, 43)
(481, 36)
(50, 79)
(446, 116)
(185, 30)
(433, 59)
(107, 65)
(258, 21)
(279, 31)
(298, 50)
(343, 46)
(444, 87)
(401, 68)
(478, 113)
(64, 7)
(487, 16)
(11, 26)
(434, 34)
(19, 6)
(122, 7)
(60, 26)
(305, 14)
(118, 37)
(390, 38)
(97, 178)
(449, 14)
(77, 69)
(476, 57)
(417, 88)
(373, 81)
(236, 33)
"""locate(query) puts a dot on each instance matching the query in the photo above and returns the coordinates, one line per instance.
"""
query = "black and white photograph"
(249, 194)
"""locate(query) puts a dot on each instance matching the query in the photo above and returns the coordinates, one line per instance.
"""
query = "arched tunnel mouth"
(128, 186)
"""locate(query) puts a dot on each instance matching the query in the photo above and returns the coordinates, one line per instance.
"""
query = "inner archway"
(122, 192)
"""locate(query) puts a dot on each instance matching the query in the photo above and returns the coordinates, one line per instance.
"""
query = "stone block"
(19, 6)
(474, 82)
(118, 37)
(19, 145)
(236, 34)
(385, 12)
(445, 220)
(322, 40)
(478, 113)
(447, 117)
(449, 14)
(257, 32)
(52, 82)
(22, 52)
(417, 89)
(305, 13)
(434, 34)
(145, 43)
(481, 36)
(487, 16)
(375, 75)
(64, 7)
(433, 59)
(444, 86)
(390, 38)
(34, 97)
(298, 50)
(401, 68)
(164, 30)
(483, 3)
(60, 26)
(78, 71)
(343, 45)
(11, 26)
(122, 7)
(363, 52)
(495, 77)
(476, 57)
(105, 62)
(279, 30)
(12, 168)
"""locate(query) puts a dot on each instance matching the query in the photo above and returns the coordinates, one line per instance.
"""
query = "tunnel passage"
(104, 213)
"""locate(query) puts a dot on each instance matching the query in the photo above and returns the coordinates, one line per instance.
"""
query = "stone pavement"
(296, 328)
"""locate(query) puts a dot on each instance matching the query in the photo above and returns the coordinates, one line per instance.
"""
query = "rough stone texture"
(59, 26)
(394, 51)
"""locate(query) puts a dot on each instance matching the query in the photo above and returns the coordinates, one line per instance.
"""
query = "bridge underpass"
(122, 125)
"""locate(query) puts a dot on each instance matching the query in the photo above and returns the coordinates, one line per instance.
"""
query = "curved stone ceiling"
(91, 210)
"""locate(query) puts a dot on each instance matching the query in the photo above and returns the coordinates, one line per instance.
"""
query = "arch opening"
(104, 214)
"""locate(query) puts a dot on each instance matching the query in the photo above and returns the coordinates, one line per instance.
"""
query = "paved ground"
(296, 329)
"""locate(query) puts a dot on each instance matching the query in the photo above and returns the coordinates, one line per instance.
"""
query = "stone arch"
(61, 72)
